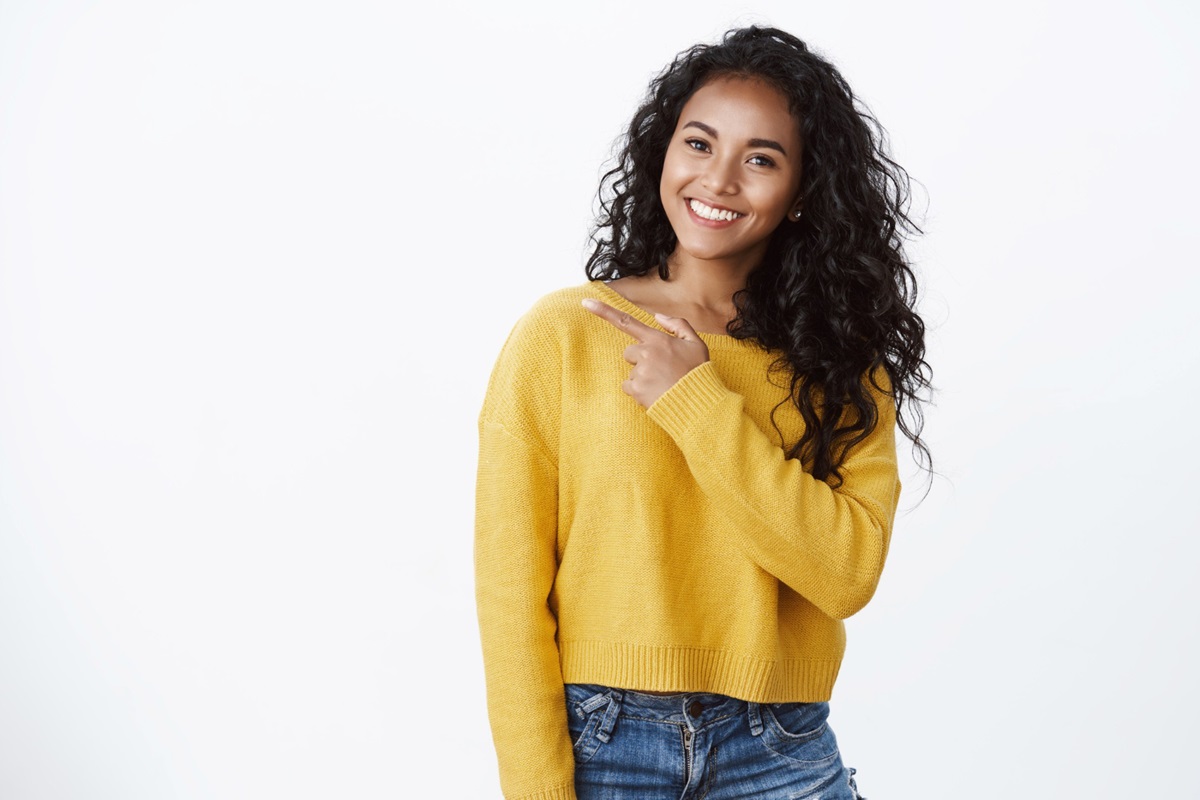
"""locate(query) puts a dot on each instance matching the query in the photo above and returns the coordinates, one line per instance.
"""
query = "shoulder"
(561, 305)
(878, 385)
(544, 334)
(524, 390)
(878, 381)
(554, 320)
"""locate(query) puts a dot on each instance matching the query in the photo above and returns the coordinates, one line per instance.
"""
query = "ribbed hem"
(688, 669)
(564, 792)
(689, 399)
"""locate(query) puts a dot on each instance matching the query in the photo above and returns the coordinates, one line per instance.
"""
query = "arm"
(515, 564)
(827, 544)
(516, 561)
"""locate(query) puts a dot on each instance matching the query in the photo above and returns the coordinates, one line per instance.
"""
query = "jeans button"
(695, 709)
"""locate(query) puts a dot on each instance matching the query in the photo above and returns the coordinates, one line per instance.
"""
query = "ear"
(797, 209)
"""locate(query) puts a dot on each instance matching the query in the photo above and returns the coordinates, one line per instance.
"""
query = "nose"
(720, 177)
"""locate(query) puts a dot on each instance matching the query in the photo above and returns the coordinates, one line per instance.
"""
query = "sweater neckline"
(617, 300)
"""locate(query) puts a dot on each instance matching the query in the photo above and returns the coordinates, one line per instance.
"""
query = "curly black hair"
(835, 291)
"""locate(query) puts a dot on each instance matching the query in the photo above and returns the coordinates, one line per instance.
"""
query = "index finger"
(621, 320)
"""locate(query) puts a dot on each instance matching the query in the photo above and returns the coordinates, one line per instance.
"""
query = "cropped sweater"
(669, 548)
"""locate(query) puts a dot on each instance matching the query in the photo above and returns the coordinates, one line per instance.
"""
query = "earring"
(795, 215)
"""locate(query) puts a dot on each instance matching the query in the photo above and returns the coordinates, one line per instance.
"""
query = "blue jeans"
(635, 746)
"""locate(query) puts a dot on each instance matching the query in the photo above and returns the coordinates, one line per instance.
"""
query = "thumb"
(678, 326)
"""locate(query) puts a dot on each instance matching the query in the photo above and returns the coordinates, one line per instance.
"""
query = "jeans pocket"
(587, 708)
(799, 731)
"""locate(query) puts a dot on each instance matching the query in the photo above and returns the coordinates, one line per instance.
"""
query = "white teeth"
(708, 212)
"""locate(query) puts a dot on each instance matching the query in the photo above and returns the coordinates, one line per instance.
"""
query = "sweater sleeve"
(827, 544)
(516, 561)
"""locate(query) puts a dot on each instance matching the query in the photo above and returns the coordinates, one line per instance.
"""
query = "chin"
(708, 251)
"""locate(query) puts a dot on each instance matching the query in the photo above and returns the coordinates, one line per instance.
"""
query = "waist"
(664, 670)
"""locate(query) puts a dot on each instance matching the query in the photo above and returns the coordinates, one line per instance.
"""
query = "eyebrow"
(770, 144)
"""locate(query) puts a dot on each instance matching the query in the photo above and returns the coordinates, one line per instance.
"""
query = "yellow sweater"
(673, 548)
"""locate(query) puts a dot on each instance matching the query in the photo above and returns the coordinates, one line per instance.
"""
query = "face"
(731, 172)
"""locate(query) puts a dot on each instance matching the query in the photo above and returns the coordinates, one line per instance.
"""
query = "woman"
(665, 552)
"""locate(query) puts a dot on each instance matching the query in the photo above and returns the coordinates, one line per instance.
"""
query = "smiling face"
(731, 172)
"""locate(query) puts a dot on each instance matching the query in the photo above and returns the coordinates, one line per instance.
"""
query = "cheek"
(777, 203)
(667, 183)
(668, 186)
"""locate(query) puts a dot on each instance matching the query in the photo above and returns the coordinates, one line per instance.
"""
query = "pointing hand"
(659, 359)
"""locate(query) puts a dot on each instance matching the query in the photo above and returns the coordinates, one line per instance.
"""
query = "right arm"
(516, 539)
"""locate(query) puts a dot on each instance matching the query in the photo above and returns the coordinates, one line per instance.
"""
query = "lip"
(711, 223)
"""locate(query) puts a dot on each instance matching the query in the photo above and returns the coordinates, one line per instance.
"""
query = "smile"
(714, 214)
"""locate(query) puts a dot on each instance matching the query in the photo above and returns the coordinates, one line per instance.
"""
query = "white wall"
(257, 258)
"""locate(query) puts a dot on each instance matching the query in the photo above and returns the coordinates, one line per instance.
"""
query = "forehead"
(743, 108)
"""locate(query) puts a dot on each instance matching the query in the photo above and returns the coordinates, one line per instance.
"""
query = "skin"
(736, 146)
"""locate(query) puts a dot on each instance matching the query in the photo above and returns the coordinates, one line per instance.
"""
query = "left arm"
(827, 544)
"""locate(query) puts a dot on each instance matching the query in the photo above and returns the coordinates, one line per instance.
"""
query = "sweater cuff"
(691, 398)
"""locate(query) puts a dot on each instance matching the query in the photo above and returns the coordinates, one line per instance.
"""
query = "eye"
(698, 145)
(761, 161)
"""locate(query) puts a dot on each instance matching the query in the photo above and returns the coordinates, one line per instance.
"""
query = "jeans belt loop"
(756, 724)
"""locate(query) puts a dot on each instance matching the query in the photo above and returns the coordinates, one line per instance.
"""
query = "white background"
(256, 261)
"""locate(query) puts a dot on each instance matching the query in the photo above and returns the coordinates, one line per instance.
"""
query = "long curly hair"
(834, 292)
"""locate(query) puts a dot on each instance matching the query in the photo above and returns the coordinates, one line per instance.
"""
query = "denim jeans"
(635, 746)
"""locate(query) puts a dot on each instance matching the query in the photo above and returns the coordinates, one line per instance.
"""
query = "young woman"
(687, 470)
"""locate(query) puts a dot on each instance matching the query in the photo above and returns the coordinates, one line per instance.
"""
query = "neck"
(709, 283)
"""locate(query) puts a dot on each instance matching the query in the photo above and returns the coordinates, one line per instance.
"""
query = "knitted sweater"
(669, 548)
